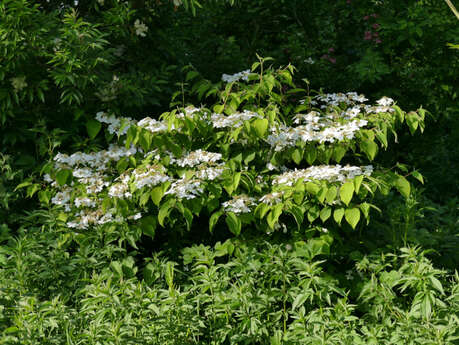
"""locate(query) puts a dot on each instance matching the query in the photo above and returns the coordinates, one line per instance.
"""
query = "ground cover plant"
(161, 198)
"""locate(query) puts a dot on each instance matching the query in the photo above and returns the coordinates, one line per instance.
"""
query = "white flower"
(239, 204)
(310, 61)
(18, 83)
(140, 28)
(244, 75)
(197, 157)
(385, 101)
(272, 198)
(331, 173)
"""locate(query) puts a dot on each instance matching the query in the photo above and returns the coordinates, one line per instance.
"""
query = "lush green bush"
(252, 217)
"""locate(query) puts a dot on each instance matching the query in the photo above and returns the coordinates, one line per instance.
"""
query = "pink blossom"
(375, 34)
(376, 25)
(332, 60)
(366, 17)
(331, 50)
(377, 41)
(325, 56)
(367, 36)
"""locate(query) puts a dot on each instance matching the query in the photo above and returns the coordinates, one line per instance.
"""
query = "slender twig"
(451, 6)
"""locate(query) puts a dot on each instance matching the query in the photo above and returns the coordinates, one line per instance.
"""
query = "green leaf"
(261, 210)
(169, 274)
(116, 266)
(325, 213)
(365, 208)
(299, 300)
(165, 210)
(338, 215)
(312, 188)
(297, 156)
(357, 183)
(218, 108)
(417, 175)
(274, 215)
(331, 194)
(260, 126)
(399, 113)
(352, 216)
(402, 185)
(93, 127)
(157, 194)
(234, 223)
(148, 225)
(214, 219)
(23, 185)
(412, 120)
(345, 192)
(370, 148)
(436, 284)
(338, 153)
(298, 214)
(62, 176)
(313, 213)
(310, 154)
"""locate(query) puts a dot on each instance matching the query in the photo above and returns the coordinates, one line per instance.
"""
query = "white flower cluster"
(153, 125)
(197, 157)
(97, 160)
(285, 136)
(150, 176)
(272, 198)
(230, 78)
(233, 120)
(190, 110)
(186, 189)
(331, 173)
(239, 204)
(140, 28)
(116, 125)
(86, 218)
(335, 99)
(18, 83)
(209, 173)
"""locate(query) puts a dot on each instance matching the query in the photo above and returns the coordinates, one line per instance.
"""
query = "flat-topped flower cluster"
(239, 163)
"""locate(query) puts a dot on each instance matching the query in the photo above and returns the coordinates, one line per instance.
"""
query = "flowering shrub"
(258, 158)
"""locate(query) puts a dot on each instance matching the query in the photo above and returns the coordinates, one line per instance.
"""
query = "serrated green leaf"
(273, 216)
(157, 194)
(214, 219)
(310, 154)
(345, 192)
(402, 185)
(148, 225)
(93, 127)
(338, 215)
(332, 192)
(357, 183)
(312, 188)
(234, 223)
(370, 148)
(325, 213)
(62, 176)
(417, 175)
(297, 156)
(165, 210)
(260, 126)
(352, 216)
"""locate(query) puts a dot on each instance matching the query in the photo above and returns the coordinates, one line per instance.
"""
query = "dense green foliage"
(244, 209)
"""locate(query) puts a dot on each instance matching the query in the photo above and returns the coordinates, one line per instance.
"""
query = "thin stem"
(451, 6)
